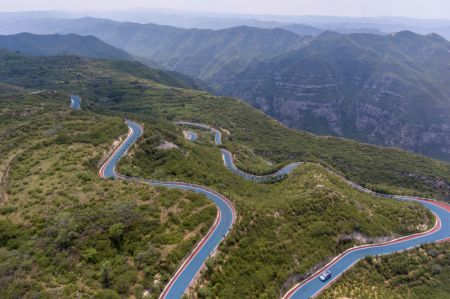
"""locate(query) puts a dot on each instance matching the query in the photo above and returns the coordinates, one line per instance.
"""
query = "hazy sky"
(410, 8)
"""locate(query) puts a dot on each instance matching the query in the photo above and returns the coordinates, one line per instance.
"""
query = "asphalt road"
(228, 160)
(75, 102)
(192, 136)
(312, 286)
(225, 218)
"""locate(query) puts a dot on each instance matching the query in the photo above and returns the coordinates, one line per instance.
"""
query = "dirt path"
(4, 176)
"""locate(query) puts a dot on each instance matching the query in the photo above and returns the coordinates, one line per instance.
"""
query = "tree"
(90, 255)
(115, 234)
(106, 276)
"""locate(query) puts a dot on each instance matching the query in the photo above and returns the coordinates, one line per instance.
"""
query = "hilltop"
(57, 44)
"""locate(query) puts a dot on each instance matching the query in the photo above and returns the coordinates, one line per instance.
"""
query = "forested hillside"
(95, 232)
(56, 44)
(390, 90)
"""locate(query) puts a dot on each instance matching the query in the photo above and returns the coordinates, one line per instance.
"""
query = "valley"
(362, 86)
(151, 161)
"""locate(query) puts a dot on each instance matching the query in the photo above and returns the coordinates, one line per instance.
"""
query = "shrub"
(90, 255)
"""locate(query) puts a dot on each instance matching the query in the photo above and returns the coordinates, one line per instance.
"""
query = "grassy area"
(416, 274)
(64, 232)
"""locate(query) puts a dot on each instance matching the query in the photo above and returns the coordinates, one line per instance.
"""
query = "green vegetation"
(72, 74)
(249, 162)
(416, 274)
(283, 229)
(64, 232)
(383, 169)
(368, 87)
(108, 85)
(60, 44)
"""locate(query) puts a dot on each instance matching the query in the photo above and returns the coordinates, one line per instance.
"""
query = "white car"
(325, 275)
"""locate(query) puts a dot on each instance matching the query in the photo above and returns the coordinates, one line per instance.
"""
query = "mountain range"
(390, 89)
(109, 234)
(201, 53)
(57, 44)
(210, 20)
(80, 102)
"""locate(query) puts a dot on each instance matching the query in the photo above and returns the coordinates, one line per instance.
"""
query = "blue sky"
(363, 8)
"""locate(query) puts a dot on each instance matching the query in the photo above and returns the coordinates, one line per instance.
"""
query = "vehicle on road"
(325, 275)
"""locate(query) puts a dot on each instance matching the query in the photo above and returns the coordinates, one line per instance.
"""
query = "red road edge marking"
(102, 169)
(193, 253)
(437, 226)
(198, 247)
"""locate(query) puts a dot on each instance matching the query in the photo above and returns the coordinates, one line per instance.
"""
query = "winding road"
(228, 160)
(440, 232)
(313, 286)
(226, 217)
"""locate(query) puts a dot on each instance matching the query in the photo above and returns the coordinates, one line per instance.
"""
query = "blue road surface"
(192, 136)
(224, 221)
(280, 174)
(75, 102)
(229, 161)
(312, 286)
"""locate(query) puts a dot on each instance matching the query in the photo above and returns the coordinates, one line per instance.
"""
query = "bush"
(106, 276)
(90, 255)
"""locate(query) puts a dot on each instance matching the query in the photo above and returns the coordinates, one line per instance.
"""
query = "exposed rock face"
(362, 239)
(166, 145)
(388, 90)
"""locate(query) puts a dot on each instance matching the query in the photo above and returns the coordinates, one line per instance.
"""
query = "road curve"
(313, 286)
(226, 217)
(75, 102)
(228, 160)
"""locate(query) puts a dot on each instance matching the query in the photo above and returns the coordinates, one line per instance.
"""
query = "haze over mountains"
(390, 90)
(57, 44)
(208, 20)
(387, 89)
(201, 53)
(168, 154)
